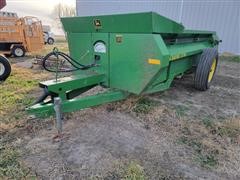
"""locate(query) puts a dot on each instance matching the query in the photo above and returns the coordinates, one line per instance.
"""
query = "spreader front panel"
(135, 59)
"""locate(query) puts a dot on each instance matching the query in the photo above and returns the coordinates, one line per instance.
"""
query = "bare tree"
(62, 10)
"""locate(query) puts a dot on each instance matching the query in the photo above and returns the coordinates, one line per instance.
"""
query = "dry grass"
(211, 140)
(60, 43)
(230, 57)
(143, 106)
(129, 170)
(62, 46)
(229, 128)
(206, 136)
(134, 171)
(10, 166)
(16, 94)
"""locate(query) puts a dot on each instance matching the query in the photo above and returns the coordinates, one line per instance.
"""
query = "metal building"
(222, 16)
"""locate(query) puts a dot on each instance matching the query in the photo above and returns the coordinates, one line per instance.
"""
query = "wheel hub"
(50, 41)
(2, 69)
(212, 70)
(18, 52)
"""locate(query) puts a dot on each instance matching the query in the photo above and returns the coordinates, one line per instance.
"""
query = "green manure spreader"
(127, 54)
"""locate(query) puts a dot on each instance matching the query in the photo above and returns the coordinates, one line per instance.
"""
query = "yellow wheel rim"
(212, 70)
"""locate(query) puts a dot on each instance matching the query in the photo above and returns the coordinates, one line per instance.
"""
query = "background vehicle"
(5, 67)
(48, 35)
(19, 35)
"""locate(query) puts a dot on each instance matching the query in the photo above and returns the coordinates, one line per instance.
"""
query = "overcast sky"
(39, 8)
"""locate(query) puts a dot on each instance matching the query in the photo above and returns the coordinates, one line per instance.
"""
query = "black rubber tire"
(7, 68)
(50, 41)
(14, 51)
(203, 68)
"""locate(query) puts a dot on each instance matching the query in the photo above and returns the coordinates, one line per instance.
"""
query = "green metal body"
(144, 53)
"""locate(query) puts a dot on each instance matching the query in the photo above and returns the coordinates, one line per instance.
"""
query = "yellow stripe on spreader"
(154, 61)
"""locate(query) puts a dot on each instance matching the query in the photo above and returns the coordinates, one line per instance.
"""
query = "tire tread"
(203, 68)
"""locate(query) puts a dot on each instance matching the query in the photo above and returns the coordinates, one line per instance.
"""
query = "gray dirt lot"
(99, 141)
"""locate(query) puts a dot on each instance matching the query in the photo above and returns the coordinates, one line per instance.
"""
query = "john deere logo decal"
(97, 23)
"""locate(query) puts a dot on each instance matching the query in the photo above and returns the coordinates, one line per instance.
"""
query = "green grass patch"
(125, 171)
(134, 172)
(205, 157)
(228, 128)
(10, 166)
(208, 122)
(181, 110)
(236, 59)
(143, 106)
(228, 131)
(193, 143)
(231, 58)
(208, 160)
(15, 93)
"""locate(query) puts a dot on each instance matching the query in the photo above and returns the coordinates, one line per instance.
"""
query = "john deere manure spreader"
(126, 54)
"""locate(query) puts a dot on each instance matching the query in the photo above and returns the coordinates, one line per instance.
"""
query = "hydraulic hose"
(57, 54)
(43, 96)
